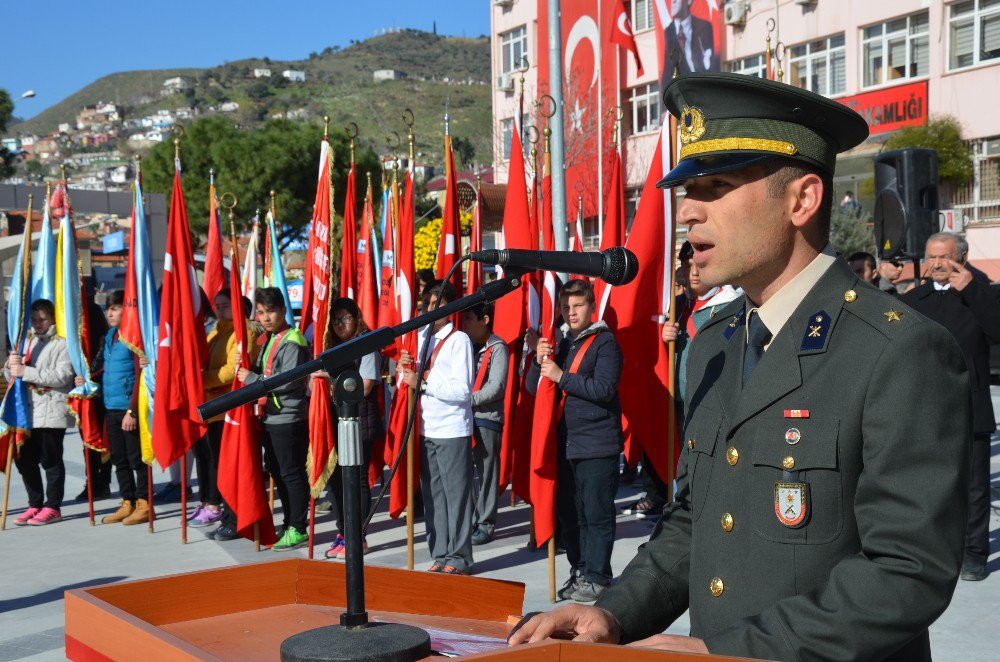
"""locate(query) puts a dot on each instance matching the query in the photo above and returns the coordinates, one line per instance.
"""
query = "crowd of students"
(462, 389)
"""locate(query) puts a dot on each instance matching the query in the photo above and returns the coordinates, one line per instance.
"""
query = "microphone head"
(621, 266)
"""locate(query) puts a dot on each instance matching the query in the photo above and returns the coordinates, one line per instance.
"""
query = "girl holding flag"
(47, 370)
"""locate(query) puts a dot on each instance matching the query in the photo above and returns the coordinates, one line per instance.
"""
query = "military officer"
(813, 519)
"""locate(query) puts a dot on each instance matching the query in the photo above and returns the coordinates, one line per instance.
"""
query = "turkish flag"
(395, 440)
(614, 226)
(544, 467)
(215, 278)
(621, 33)
(367, 287)
(348, 245)
(511, 310)
(451, 231)
(474, 280)
(388, 309)
(405, 278)
(181, 345)
(639, 310)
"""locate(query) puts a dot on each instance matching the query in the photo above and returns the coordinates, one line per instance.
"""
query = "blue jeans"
(585, 504)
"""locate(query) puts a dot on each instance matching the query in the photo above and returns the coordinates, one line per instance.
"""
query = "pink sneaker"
(46, 516)
(336, 549)
(206, 516)
(23, 518)
(197, 513)
(342, 552)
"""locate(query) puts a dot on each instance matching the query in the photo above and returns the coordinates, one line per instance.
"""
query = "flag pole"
(672, 345)
(547, 170)
(12, 439)
(408, 119)
(271, 490)
(312, 523)
(86, 455)
(256, 536)
(184, 484)
(552, 569)
(149, 498)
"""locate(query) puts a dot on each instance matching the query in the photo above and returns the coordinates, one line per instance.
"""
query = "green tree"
(943, 134)
(280, 155)
(464, 150)
(258, 91)
(850, 232)
(6, 112)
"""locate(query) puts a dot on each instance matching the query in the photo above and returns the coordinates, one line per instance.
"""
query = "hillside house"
(294, 75)
(381, 75)
(261, 73)
(229, 107)
(175, 85)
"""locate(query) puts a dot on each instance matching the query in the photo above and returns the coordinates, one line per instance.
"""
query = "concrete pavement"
(37, 564)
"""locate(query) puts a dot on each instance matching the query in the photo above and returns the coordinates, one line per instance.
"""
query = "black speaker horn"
(906, 201)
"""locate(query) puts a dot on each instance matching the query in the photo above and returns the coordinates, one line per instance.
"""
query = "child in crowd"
(47, 370)
(345, 324)
(585, 365)
(119, 378)
(445, 428)
(218, 380)
(487, 414)
(284, 413)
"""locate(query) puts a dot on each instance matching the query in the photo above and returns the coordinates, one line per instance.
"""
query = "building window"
(507, 133)
(895, 50)
(973, 32)
(751, 66)
(513, 47)
(642, 15)
(645, 101)
(819, 66)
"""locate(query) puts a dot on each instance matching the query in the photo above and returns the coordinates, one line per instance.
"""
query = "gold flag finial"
(274, 206)
(62, 173)
(352, 133)
(232, 215)
(48, 191)
(326, 127)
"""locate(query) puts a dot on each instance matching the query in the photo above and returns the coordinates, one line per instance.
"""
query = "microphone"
(615, 266)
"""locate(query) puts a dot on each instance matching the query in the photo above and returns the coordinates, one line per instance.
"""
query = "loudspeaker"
(906, 201)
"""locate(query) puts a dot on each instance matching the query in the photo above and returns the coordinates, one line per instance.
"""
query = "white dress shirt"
(446, 405)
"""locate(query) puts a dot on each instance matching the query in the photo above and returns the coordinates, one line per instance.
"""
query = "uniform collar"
(776, 311)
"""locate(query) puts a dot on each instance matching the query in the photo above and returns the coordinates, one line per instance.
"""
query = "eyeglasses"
(343, 319)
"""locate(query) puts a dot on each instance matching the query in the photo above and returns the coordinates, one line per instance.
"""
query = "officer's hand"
(670, 331)
(960, 276)
(551, 369)
(543, 348)
(672, 642)
(577, 622)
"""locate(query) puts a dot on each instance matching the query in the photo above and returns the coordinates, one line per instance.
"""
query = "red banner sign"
(892, 108)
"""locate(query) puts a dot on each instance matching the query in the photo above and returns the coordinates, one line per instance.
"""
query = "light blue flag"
(43, 279)
(15, 409)
(376, 253)
(276, 278)
(69, 307)
(148, 303)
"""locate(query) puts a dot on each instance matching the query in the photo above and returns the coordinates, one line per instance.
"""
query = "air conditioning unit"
(736, 12)
(505, 83)
(503, 3)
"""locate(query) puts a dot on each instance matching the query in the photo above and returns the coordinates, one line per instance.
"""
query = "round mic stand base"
(375, 642)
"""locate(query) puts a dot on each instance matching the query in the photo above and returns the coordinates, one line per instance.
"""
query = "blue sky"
(56, 48)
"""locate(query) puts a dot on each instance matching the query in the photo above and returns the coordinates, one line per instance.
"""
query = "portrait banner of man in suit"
(692, 33)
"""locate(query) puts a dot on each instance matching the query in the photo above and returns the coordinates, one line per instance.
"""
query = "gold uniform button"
(732, 456)
(788, 462)
(850, 296)
(727, 522)
(690, 443)
(716, 586)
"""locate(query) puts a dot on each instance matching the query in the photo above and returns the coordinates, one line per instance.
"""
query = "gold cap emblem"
(692, 124)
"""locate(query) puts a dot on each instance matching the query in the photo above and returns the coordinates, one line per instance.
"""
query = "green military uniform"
(815, 517)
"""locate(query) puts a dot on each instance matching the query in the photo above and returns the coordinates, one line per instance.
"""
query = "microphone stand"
(356, 639)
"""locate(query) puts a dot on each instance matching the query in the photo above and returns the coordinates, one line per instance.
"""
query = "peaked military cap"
(731, 121)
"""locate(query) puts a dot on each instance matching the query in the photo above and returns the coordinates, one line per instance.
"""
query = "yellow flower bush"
(428, 238)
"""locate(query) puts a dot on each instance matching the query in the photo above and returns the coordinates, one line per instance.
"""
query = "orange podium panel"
(244, 613)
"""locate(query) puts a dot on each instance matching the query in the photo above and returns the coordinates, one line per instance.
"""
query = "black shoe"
(566, 592)
(481, 536)
(169, 492)
(324, 506)
(99, 493)
(224, 533)
(973, 572)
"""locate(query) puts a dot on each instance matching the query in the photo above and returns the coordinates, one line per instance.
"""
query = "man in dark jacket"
(960, 302)
(586, 366)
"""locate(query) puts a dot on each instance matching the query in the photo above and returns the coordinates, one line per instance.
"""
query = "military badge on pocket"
(791, 503)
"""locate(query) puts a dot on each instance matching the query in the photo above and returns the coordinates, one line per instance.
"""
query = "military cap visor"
(728, 122)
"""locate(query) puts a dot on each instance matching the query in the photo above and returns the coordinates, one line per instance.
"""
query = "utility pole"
(558, 134)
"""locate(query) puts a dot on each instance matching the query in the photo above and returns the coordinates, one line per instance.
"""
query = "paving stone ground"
(37, 564)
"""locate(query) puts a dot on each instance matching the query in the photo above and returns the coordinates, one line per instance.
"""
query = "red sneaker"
(46, 516)
(23, 518)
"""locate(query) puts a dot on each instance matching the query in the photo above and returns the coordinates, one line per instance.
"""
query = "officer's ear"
(804, 197)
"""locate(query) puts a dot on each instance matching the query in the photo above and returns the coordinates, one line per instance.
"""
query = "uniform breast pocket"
(796, 491)
(700, 437)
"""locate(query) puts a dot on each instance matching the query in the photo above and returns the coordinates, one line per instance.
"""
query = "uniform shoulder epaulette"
(731, 314)
(880, 310)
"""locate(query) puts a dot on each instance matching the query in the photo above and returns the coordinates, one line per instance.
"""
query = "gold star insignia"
(892, 315)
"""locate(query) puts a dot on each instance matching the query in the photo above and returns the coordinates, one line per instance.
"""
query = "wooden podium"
(245, 612)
